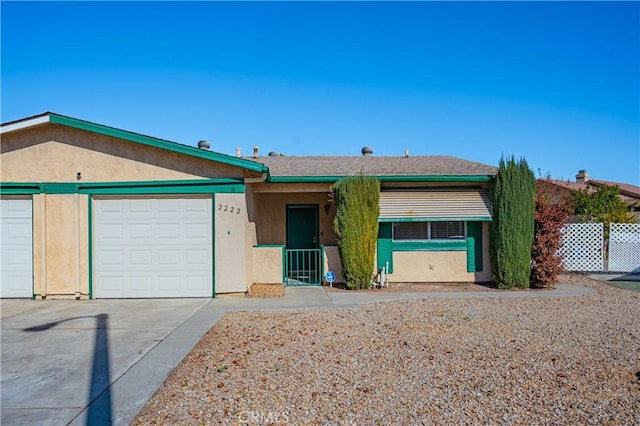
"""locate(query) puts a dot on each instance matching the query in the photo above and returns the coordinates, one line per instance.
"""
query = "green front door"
(303, 252)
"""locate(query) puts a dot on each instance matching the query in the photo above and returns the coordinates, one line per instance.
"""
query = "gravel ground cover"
(573, 360)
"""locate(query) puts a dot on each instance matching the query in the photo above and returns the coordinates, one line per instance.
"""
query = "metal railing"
(303, 267)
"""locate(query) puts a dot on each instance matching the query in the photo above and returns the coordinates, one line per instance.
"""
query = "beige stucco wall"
(58, 268)
(57, 153)
(332, 262)
(231, 243)
(271, 216)
(430, 266)
(267, 264)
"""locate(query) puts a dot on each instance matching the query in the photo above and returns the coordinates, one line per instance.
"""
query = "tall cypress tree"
(356, 225)
(512, 229)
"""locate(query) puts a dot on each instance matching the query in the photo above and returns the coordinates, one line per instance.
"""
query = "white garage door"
(152, 247)
(16, 264)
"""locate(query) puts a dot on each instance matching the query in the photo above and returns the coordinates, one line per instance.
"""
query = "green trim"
(385, 246)
(269, 246)
(203, 189)
(156, 143)
(33, 260)
(213, 246)
(459, 245)
(193, 186)
(90, 248)
(474, 232)
(20, 188)
(436, 219)
(471, 256)
(61, 188)
(321, 264)
(403, 178)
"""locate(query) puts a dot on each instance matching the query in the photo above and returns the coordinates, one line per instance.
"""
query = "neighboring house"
(557, 190)
(93, 211)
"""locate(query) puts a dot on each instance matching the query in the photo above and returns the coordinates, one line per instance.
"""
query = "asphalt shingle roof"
(432, 165)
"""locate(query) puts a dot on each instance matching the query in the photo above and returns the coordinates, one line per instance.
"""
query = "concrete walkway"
(98, 362)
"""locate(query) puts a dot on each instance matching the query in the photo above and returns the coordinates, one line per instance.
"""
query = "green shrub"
(601, 205)
(511, 238)
(356, 225)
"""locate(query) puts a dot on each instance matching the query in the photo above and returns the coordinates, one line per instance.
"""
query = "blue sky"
(556, 83)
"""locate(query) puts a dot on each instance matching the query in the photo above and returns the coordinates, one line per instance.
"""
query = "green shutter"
(385, 245)
(474, 246)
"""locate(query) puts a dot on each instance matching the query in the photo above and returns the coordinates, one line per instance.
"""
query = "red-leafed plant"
(549, 219)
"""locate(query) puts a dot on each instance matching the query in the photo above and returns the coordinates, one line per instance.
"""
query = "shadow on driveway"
(97, 414)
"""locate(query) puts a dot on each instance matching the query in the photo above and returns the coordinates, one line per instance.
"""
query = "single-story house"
(558, 190)
(91, 211)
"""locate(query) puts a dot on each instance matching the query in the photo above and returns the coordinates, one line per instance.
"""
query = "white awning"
(435, 204)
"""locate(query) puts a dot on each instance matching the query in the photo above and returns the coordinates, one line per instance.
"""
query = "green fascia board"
(198, 186)
(61, 188)
(460, 245)
(426, 178)
(436, 219)
(20, 188)
(143, 190)
(157, 143)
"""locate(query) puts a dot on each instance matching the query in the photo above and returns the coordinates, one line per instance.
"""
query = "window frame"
(429, 231)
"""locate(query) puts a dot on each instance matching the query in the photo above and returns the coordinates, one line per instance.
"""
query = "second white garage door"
(152, 247)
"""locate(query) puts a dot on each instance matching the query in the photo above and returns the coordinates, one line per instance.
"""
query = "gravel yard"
(573, 360)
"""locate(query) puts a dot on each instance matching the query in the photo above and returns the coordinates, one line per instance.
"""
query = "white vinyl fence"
(582, 247)
(624, 247)
(585, 249)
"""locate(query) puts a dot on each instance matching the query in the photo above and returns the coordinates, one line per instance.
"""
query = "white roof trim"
(20, 125)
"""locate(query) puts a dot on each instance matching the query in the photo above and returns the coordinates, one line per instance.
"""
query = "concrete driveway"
(59, 356)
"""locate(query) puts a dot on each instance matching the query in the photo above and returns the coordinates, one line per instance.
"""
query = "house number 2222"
(230, 209)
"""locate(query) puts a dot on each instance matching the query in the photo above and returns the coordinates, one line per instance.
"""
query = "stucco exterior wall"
(60, 244)
(271, 216)
(267, 265)
(430, 266)
(57, 153)
(230, 243)
(332, 262)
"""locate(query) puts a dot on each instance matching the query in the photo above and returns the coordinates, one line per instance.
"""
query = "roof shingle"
(433, 165)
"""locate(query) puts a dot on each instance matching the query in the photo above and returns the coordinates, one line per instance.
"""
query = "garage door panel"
(142, 284)
(197, 257)
(15, 208)
(159, 247)
(197, 282)
(168, 231)
(140, 257)
(16, 240)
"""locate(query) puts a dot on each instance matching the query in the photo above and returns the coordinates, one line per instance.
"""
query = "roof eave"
(384, 178)
(132, 137)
